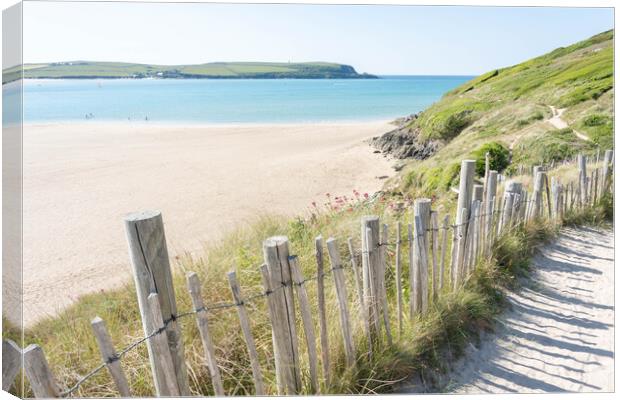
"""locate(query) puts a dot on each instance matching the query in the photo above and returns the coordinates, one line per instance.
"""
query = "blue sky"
(375, 39)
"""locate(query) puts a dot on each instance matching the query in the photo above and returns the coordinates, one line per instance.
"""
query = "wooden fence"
(483, 215)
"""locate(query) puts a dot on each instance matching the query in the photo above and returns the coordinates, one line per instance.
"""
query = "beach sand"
(81, 179)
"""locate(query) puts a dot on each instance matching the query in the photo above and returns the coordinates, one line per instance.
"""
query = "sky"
(383, 40)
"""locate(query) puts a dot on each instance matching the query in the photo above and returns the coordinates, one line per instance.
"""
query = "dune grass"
(423, 348)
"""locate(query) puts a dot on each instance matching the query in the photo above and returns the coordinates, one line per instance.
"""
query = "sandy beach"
(81, 179)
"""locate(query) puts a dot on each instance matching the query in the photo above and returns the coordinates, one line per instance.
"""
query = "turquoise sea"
(212, 101)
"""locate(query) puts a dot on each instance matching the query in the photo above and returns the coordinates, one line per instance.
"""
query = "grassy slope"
(498, 103)
(210, 70)
(510, 105)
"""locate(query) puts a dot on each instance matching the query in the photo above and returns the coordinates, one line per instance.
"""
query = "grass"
(89, 69)
(424, 348)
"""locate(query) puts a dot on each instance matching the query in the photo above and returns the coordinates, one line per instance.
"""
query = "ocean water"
(206, 101)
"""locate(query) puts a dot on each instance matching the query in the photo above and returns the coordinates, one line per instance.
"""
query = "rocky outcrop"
(403, 142)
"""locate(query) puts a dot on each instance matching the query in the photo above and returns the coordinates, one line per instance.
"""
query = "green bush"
(596, 120)
(537, 116)
(454, 124)
(499, 157)
(599, 128)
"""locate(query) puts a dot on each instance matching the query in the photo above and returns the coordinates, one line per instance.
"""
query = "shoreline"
(81, 179)
(207, 125)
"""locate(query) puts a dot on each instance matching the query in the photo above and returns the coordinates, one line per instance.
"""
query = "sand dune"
(80, 179)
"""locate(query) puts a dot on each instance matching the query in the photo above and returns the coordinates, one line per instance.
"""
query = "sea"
(228, 101)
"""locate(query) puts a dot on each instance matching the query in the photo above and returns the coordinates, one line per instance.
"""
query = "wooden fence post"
(382, 284)
(38, 372)
(607, 161)
(477, 193)
(583, 176)
(356, 274)
(193, 286)
(399, 288)
(595, 187)
(371, 262)
(412, 271)
(341, 293)
(538, 193)
(151, 270)
(435, 244)
(422, 209)
(11, 363)
(461, 242)
(548, 194)
(444, 248)
(306, 318)
(108, 354)
(466, 182)
(320, 289)
(244, 321)
(423, 260)
(160, 345)
(275, 250)
(277, 331)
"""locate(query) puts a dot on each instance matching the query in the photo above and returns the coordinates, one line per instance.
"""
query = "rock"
(403, 143)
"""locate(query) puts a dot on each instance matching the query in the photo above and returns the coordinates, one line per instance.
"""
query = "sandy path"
(558, 334)
(557, 121)
(79, 181)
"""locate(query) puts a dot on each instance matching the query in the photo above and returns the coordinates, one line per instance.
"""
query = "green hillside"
(512, 106)
(86, 69)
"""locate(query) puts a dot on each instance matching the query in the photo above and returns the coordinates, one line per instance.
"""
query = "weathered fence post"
(371, 262)
(108, 355)
(38, 372)
(320, 289)
(275, 250)
(435, 244)
(538, 193)
(477, 193)
(382, 284)
(278, 333)
(11, 363)
(151, 270)
(491, 192)
(308, 325)
(548, 194)
(423, 261)
(466, 182)
(341, 293)
(399, 289)
(422, 209)
(444, 248)
(583, 177)
(193, 286)
(244, 321)
(160, 345)
(356, 274)
(607, 162)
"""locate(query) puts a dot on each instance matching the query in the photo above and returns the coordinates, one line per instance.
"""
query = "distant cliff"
(216, 70)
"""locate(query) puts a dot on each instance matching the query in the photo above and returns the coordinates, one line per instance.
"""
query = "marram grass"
(423, 348)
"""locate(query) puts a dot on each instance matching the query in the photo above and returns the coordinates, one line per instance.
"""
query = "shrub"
(537, 116)
(600, 129)
(596, 120)
(454, 124)
(499, 157)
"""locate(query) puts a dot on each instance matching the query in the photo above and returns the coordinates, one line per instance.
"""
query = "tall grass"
(423, 348)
